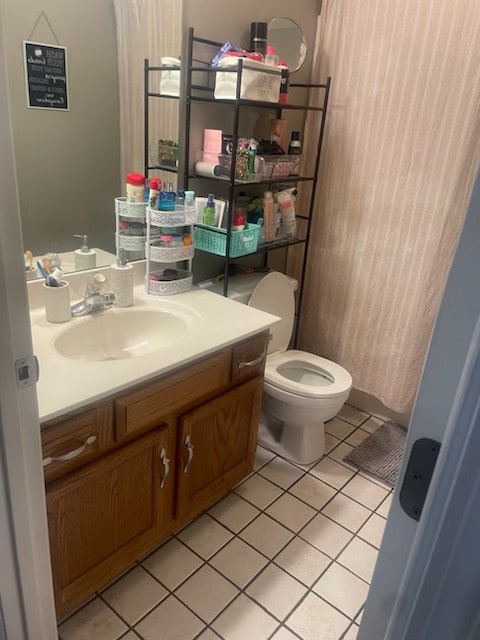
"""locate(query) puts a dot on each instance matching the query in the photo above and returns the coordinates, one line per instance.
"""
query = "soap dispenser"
(84, 257)
(122, 281)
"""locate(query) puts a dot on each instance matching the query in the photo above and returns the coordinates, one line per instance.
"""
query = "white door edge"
(26, 586)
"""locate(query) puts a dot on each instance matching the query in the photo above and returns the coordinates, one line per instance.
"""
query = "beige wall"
(68, 163)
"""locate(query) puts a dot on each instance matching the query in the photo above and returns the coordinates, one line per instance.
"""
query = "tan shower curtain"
(145, 29)
(401, 151)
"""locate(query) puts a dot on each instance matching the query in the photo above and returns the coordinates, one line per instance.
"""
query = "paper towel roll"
(207, 169)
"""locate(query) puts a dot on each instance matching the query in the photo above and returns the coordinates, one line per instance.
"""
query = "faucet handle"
(96, 283)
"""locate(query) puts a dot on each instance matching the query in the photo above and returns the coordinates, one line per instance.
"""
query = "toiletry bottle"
(295, 146)
(271, 57)
(258, 37)
(167, 199)
(240, 211)
(209, 210)
(155, 187)
(189, 199)
(180, 199)
(121, 277)
(135, 187)
(239, 220)
(252, 152)
(84, 257)
(268, 217)
(284, 82)
(172, 196)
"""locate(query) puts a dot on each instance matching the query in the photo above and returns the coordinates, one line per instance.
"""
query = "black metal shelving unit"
(202, 92)
(147, 69)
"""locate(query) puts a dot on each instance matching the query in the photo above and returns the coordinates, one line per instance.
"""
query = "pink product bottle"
(271, 57)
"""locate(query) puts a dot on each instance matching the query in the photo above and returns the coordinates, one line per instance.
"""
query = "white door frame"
(427, 580)
(25, 575)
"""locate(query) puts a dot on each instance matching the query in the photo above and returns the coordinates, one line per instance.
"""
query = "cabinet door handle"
(71, 454)
(189, 445)
(166, 466)
(250, 363)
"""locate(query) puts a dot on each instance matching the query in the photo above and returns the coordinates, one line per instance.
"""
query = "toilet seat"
(297, 373)
(307, 374)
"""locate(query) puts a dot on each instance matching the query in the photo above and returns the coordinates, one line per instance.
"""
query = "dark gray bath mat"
(381, 453)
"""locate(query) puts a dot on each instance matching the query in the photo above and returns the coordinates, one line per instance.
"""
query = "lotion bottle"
(84, 257)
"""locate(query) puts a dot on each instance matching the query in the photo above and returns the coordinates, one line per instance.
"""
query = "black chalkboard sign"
(46, 76)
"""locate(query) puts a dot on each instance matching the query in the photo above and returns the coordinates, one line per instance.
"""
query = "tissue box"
(260, 81)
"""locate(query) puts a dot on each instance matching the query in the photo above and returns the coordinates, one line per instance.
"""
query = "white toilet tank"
(241, 287)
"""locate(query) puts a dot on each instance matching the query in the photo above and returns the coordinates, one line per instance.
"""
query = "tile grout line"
(270, 561)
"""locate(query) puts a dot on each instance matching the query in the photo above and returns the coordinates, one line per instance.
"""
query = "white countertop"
(213, 322)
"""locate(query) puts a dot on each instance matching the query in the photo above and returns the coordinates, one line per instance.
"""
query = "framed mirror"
(71, 164)
(289, 41)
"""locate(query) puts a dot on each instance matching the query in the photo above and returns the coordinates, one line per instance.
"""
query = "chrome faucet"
(96, 297)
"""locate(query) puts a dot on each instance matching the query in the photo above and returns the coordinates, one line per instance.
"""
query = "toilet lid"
(307, 374)
(274, 294)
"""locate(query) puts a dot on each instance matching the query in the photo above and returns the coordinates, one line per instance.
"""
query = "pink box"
(212, 145)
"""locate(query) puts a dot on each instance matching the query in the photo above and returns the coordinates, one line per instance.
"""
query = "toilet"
(302, 390)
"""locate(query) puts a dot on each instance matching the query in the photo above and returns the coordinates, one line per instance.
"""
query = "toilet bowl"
(301, 390)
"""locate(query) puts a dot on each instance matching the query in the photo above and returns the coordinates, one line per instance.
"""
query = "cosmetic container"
(167, 199)
(258, 37)
(154, 192)
(284, 82)
(209, 210)
(268, 217)
(121, 276)
(252, 152)
(295, 146)
(57, 302)
(189, 199)
(271, 57)
(135, 187)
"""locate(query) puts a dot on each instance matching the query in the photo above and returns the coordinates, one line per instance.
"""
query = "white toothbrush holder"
(122, 284)
(57, 302)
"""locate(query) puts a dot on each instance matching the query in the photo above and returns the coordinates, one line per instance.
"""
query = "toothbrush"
(46, 264)
(41, 269)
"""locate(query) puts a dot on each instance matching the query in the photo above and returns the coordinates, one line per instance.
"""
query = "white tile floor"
(288, 555)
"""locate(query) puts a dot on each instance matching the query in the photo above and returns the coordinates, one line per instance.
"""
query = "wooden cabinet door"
(104, 516)
(216, 446)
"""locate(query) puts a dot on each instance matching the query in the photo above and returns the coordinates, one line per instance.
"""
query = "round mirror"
(289, 41)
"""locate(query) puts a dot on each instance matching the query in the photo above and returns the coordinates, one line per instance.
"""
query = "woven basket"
(130, 209)
(181, 217)
(214, 240)
(171, 254)
(169, 287)
(131, 243)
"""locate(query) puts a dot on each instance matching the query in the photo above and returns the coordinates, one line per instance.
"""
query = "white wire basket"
(168, 287)
(131, 243)
(171, 254)
(180, 217)
(130, 209)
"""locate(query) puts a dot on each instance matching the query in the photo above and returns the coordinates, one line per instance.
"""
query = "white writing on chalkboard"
(46, 76)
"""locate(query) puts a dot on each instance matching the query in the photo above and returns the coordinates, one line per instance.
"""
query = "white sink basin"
(120, 335)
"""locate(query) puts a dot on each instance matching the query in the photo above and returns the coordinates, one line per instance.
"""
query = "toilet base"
(301, 444)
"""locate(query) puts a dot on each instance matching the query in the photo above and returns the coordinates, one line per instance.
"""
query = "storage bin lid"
(274, 294)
